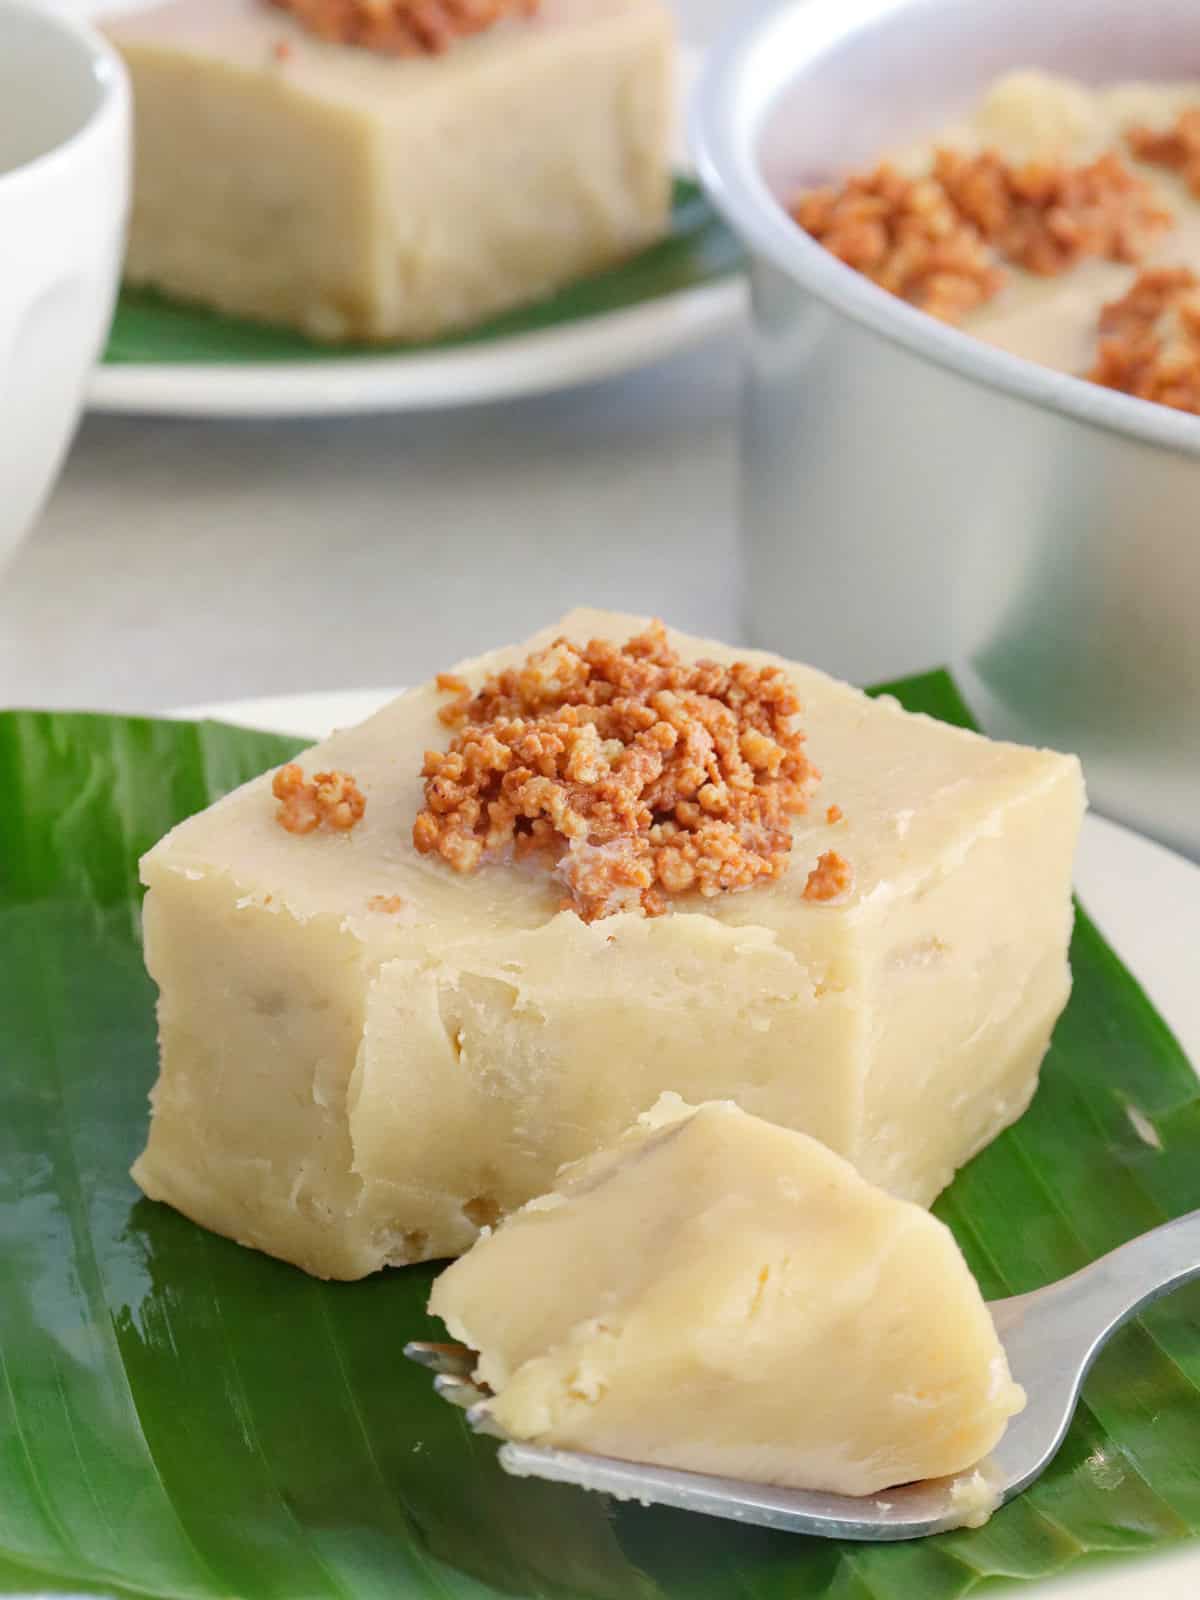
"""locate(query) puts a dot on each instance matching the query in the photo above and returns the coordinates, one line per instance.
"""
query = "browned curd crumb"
(332, 800)
(1047, 216)
(402, 27)
(834, 814)
(389, 904)
(904, 235)
(830, 879)
(1178, 148)
(451, 683)
(1150, 340)
(938, 241)
(638, 777)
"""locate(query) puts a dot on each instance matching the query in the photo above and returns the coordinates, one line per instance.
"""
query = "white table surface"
(185, 561)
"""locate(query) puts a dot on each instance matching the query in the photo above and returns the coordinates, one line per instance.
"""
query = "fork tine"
(906, 1513)
(459, 1391)
(454, 1359)
(480, 1420)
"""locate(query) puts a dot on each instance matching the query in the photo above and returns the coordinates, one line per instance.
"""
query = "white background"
(187, 561)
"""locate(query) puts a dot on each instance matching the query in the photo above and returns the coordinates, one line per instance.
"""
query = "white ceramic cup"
(64, 195)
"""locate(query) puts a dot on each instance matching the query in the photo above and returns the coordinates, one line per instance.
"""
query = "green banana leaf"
(698, 250)
(180, 1417)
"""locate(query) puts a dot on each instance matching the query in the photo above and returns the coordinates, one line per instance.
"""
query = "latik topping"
(1150, 340)
(1047, 216)
(402, 27)
(940, 241)
(636, 776)
(1178, 148)
(904, 234)
(830, 879)
(332, 800)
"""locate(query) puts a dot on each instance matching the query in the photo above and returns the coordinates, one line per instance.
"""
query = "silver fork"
(1051, 1336)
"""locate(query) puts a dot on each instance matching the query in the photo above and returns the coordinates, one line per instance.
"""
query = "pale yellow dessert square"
(722, 1295)
(359, 196)
(349, 1087)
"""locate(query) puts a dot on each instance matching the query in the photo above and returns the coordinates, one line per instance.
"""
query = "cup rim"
(112, 102)
(727, 114)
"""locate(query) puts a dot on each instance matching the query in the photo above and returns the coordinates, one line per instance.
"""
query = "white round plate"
(525, 364)
(1145, 898)
(581, 351)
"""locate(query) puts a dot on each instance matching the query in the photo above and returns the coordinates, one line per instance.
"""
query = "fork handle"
(1088, 1307)
(1132, 1277)
(1052, 1337)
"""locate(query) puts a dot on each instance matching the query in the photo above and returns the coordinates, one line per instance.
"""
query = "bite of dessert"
(718, 1294)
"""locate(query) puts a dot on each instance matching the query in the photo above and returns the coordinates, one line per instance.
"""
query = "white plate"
(524, 364)
(1145, 898)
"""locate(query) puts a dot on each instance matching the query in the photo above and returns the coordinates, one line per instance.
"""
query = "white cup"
(64, 196)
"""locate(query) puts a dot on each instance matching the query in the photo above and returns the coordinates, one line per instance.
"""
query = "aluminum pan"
(773, 56)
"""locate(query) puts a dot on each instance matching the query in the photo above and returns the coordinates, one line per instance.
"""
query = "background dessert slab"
(402, 198)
